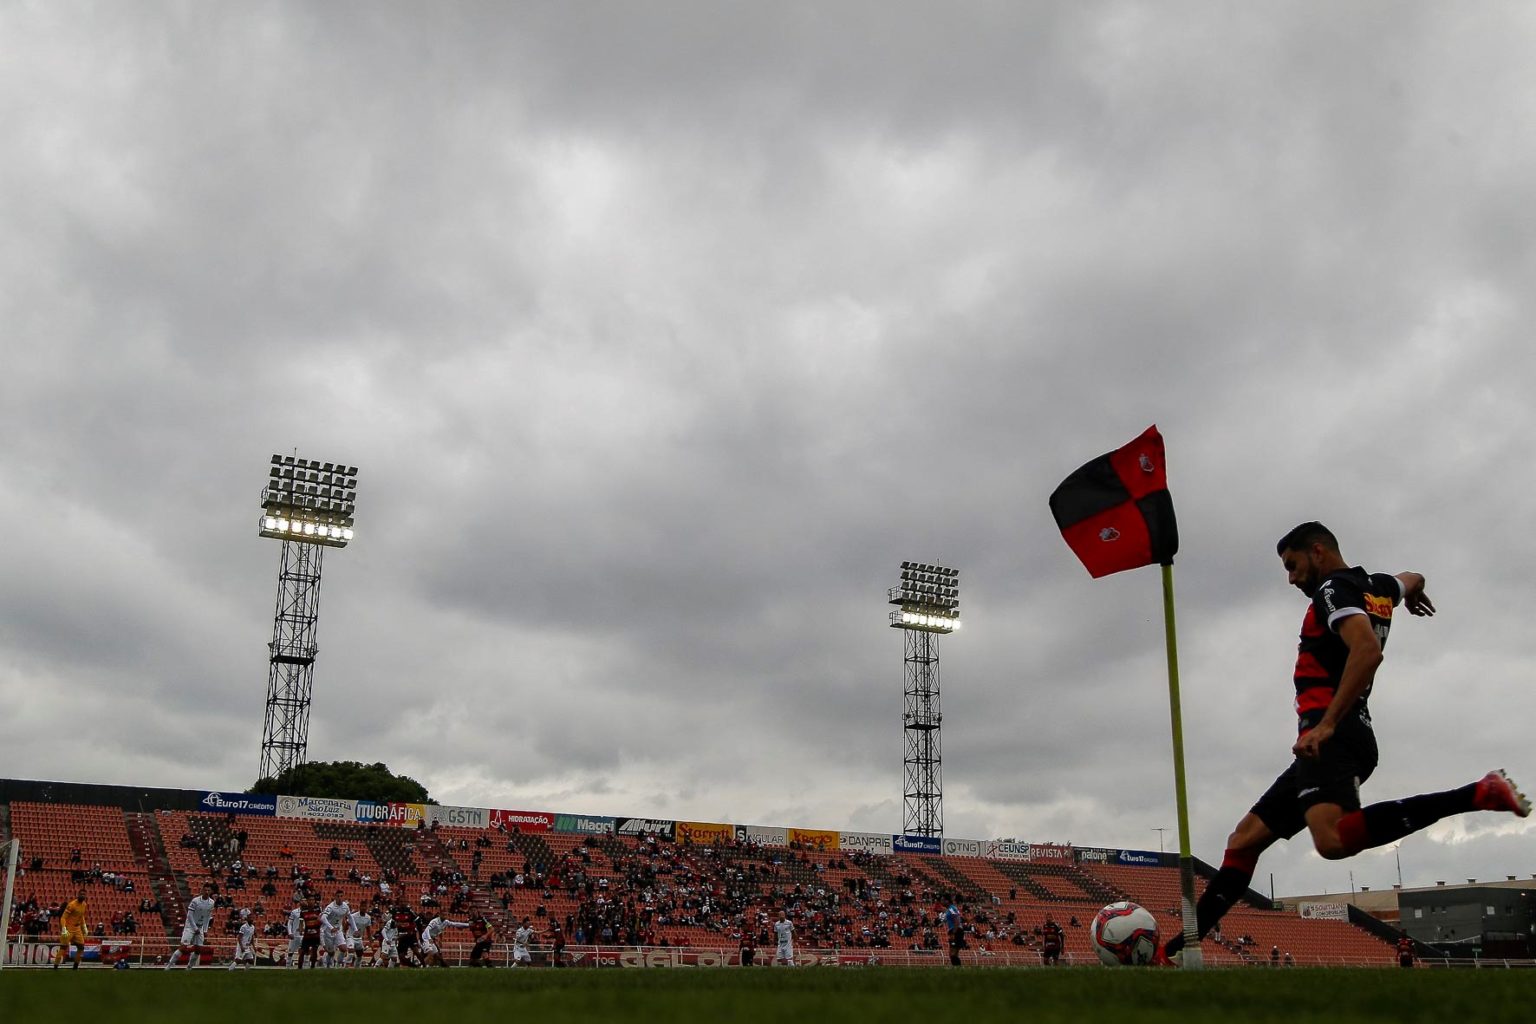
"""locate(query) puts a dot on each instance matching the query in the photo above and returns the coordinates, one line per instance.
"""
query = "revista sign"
(917, 844)
(238, 803)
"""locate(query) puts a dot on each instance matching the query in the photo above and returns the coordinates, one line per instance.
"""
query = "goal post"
(12, 853)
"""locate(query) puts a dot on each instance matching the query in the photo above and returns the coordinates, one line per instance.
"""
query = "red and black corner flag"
(1115, 513)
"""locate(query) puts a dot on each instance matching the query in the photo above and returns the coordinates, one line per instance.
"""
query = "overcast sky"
(663, 332)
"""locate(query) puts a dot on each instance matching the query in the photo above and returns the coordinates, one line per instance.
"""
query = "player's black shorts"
(479, 950)
(1335, 777)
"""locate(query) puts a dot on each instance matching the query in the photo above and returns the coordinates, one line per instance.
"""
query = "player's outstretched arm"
(1414, 598)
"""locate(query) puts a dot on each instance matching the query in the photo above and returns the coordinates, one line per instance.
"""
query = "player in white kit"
(427, 944)
(333, 926)
(388, 954)
(520, 941)
(245, 943)
(194, 933)
(785, 930)
(295, 935)
(358, 923)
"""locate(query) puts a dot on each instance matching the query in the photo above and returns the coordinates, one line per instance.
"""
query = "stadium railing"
(151, 952)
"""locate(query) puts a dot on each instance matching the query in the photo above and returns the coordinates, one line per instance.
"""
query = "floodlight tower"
(307, 505)
(929, 600)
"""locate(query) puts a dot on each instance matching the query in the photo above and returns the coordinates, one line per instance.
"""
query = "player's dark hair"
(1305, 535)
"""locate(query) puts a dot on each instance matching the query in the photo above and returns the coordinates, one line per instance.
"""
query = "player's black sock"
(1391, 820)
(1225, 889)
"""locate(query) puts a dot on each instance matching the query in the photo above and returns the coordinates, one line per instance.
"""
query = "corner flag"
(1115, 512)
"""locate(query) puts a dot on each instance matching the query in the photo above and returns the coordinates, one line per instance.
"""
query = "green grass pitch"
(1144, 996)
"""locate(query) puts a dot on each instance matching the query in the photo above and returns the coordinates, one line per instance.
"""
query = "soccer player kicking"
(194, 932)
(1342, 636)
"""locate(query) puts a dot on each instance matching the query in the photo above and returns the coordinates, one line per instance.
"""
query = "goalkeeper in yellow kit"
(72, 930)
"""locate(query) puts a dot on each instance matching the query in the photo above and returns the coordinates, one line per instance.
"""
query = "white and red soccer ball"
(1124, 933)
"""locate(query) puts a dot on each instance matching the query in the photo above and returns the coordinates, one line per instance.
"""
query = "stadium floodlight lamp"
(309, 501)
(928, 597)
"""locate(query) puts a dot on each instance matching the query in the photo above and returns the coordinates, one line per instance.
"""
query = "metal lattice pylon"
(291, 672)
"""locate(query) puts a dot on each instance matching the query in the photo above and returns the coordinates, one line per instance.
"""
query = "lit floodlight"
(309, 501)
(927, 600)
(929, 596)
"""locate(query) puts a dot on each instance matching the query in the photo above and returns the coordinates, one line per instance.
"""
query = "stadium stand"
(611, 890)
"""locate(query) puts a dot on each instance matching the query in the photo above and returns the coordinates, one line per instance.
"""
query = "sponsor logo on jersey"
(1109, 533)
(1380, 607)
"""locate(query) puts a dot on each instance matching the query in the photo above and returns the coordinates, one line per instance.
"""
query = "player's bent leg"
(1323, 823)
(1247, 841)
(1389, 821)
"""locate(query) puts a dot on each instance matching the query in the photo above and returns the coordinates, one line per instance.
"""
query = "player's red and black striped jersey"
(405, 921)
(1321, 654)
(311, 922)
(478, 928)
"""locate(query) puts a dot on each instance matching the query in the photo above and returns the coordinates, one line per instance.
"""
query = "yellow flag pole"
(1192, 957)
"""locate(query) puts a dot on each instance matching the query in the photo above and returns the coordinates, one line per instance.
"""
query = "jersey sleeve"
(1383, 583)
(1336, 600)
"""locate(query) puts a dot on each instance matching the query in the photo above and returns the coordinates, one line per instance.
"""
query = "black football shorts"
(1346, 761)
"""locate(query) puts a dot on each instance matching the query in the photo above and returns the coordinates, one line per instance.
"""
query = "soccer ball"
(1124, 933)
